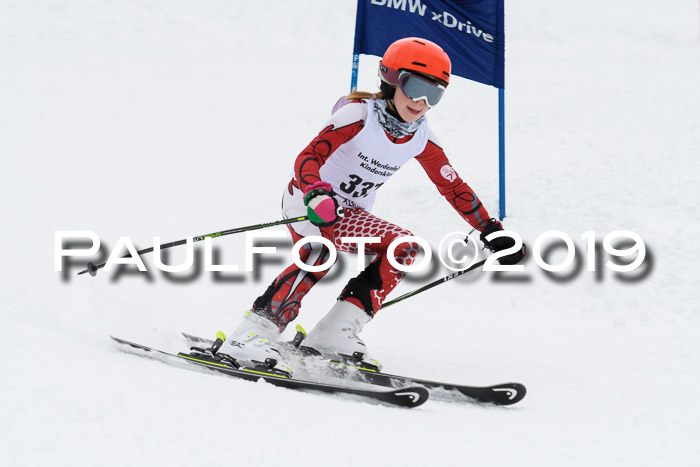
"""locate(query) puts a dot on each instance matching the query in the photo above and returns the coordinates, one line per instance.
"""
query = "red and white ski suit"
(356, 155)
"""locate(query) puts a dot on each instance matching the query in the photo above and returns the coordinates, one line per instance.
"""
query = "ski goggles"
(417, 87)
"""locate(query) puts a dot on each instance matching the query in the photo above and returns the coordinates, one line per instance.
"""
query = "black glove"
(501, 243)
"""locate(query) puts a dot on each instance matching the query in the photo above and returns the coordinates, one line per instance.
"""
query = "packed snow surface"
(142, 118)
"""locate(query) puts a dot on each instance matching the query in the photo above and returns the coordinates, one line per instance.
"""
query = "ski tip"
(130, 344)
(508, 393)
(221, 335)
(410, 397)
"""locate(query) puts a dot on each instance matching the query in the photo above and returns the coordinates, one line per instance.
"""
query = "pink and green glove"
(322, 208)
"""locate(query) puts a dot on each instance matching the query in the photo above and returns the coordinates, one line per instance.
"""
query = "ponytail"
(387, 92)
(364, 95)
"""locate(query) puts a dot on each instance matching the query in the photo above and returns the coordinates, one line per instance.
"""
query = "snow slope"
(144, 118)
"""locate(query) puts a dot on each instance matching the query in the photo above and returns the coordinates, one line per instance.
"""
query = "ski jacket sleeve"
(460, 195)
(343, 126)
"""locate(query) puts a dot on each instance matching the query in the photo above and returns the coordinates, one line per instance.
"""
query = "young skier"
(336, 178)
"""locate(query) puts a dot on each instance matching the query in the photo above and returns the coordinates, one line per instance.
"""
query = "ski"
(404, 397)
(499, 394)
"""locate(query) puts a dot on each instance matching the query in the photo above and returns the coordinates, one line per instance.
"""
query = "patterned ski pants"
(282, 300)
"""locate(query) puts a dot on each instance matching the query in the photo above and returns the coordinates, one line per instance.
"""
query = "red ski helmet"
(415, 54)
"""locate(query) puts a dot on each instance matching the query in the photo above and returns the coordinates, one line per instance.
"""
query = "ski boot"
(335, 336)
(250, 345)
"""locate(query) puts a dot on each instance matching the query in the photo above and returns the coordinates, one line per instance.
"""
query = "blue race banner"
(470, 31)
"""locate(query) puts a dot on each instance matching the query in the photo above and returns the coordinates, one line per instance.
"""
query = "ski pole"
(433, 284)
(92, 268)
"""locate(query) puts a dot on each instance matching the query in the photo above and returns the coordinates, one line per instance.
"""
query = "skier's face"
(407, 108)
